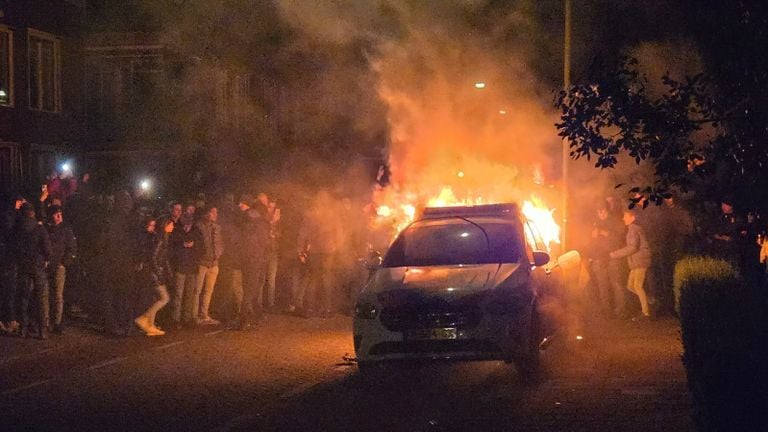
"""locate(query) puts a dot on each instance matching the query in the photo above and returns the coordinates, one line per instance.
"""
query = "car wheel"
(528, 365)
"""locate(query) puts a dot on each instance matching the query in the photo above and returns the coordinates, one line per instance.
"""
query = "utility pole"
(566, 144)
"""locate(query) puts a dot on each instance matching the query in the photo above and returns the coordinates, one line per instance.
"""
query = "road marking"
(108, 363)
(26, 387)
(235, 422)
(33, 354)
(215, 332)
(168, 345)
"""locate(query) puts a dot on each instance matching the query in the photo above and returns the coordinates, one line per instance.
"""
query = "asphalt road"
(290, 375)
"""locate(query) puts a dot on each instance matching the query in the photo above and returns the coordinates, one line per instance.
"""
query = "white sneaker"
(209, 321)
(154, 331)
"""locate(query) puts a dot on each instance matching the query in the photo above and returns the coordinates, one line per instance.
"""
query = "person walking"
(150, 273)
(208, 270)
(64, 252)
(638, 255)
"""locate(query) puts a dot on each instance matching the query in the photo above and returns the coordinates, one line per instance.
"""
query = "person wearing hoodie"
(33, 254)
(255, 233)
(64, 248)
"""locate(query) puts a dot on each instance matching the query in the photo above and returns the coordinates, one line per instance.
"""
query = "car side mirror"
(540, 258)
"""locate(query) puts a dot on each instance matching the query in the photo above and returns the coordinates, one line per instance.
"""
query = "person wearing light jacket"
(638, 255)
(208, 269)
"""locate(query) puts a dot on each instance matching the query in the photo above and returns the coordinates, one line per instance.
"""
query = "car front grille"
(436, 347)
(402, 320)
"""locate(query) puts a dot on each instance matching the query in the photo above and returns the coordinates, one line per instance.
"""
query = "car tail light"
(366, 311)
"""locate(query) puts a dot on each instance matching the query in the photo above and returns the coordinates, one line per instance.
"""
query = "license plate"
(434, 334)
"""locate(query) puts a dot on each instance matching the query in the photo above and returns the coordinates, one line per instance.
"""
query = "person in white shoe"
(212, 248)
(148, 262)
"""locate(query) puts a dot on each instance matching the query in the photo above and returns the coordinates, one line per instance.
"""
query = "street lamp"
(566, 144)
(480, 85)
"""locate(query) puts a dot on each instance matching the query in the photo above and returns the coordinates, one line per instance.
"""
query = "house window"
(44, 72)
(6, 67)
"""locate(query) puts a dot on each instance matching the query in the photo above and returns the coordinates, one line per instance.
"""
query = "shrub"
(724, 345)
(699, 271)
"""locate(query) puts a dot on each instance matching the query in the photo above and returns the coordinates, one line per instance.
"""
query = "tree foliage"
(705, 132)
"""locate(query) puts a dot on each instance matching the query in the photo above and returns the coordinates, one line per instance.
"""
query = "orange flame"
(401, 210)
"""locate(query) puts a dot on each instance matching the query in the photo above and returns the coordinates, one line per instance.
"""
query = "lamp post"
(566, 146)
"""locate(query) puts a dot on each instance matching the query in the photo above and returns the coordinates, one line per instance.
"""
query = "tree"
(708, 129)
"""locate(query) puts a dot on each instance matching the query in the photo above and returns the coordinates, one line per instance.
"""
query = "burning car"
(460, 283)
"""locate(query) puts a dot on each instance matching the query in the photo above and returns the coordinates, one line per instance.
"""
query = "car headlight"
(366, 311)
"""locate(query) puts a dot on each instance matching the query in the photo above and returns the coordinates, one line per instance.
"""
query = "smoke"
(443, 131)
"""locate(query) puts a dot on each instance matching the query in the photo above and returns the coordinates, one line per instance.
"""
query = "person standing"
(638, 255)
(186, 247)
(150, 273)
(255, 232)
(64, 252)
(33, 253)
(607, 234)
(273, 254)
(208, 270)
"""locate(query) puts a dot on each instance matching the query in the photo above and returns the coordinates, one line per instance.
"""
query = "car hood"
(455, 279)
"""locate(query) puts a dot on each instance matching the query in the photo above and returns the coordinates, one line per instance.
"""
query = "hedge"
(725, 345)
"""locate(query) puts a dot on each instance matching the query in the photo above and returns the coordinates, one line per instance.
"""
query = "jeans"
(206, 281)
(184, 289)
(34, 284)
(253, 286)
(635, 284)
(607, 274)
(271, 277)
(59, 279)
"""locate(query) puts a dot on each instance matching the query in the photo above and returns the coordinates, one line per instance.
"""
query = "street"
(289, 374)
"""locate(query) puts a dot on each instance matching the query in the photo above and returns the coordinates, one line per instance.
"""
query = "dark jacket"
(186, 259)
(213, 245)
(255, 233)
(63, 245)
(32, 247)
(147, 259)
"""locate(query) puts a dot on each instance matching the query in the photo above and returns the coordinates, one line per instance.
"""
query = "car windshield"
(454, 241)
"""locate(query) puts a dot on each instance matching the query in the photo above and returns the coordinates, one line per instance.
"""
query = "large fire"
(401, 209)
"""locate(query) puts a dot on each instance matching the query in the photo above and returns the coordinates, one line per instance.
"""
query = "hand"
(189, 244)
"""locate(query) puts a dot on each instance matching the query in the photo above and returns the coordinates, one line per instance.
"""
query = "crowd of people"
(635, 250)
(123, 263)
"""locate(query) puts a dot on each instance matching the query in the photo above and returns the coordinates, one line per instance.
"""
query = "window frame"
(38, 106)
(11, 99)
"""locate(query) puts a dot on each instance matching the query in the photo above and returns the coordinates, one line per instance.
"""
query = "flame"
(542, 217)
(401, 209)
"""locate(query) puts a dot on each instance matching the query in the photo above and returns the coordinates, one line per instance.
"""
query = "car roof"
(494, 210)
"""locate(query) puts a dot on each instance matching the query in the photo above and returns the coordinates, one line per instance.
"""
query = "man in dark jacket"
(607, 236)
(255, 234)
(64, 251)
(186, 247)
(33, 253)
